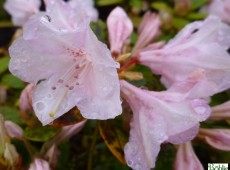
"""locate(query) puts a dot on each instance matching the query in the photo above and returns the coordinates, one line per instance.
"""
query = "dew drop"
(49, 96)
(130, 163)
(40, 106)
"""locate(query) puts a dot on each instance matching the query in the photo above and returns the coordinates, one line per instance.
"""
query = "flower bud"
(186, 158)
(39, 164)
(217, 138)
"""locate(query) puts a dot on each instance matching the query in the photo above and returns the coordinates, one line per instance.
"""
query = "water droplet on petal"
(130, 163)
(40, 106)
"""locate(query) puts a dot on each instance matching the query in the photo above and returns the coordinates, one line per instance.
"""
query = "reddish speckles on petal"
(53, 88)
(71, 87)
(60, 81)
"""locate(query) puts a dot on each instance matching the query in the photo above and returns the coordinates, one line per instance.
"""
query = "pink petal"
(158, 117)
(21, 10)
(219, 8)
(13, 130)
(68, 131)
(73, 69)
(190, 53)
(217, 138)
(186, 158)
(86, 6)
(221, 112)
(39, 164)
(120, 28)
(25, 101)
(148, 31)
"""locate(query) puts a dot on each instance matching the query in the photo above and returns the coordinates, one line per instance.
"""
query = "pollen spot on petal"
(51, 114)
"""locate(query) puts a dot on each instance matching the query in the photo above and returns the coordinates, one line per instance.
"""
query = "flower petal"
(29, 55)
(194, 49)
(120, 28)
(159, 117)
(186, 158)
(21, 10)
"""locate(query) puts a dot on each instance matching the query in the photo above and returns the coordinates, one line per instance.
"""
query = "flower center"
(72, 77)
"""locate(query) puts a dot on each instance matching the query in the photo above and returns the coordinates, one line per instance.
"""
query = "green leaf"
(179, 23)
(198, 3)
(108, 2)
(99, 28)
(11, 114)
(136, 3)
(13, 82)
(40, 134)
(4, 61)
(196, 16)
(161, 6)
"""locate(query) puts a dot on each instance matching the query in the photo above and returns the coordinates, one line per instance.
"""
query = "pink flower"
(120, 28)
(219, 8)
(221, 112)
(21, 10)
(39, 164)
(217, 138)
(148, 30)
(61, 54)
(197, 55)
(159, 117)
(186, 158)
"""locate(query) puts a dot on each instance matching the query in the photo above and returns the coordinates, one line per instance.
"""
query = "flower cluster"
(69, 67)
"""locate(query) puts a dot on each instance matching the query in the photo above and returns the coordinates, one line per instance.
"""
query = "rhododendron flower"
(148, 30)
(39, 164)
(68, 64)
(186, 158)
(220, 8)
(217, 138)
(199, 50)
(120, 28)
(21, 10)
(159, 117)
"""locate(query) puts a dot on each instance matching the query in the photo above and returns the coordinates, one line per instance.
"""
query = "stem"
(29, 148)
(92, 147)
(132, 61)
